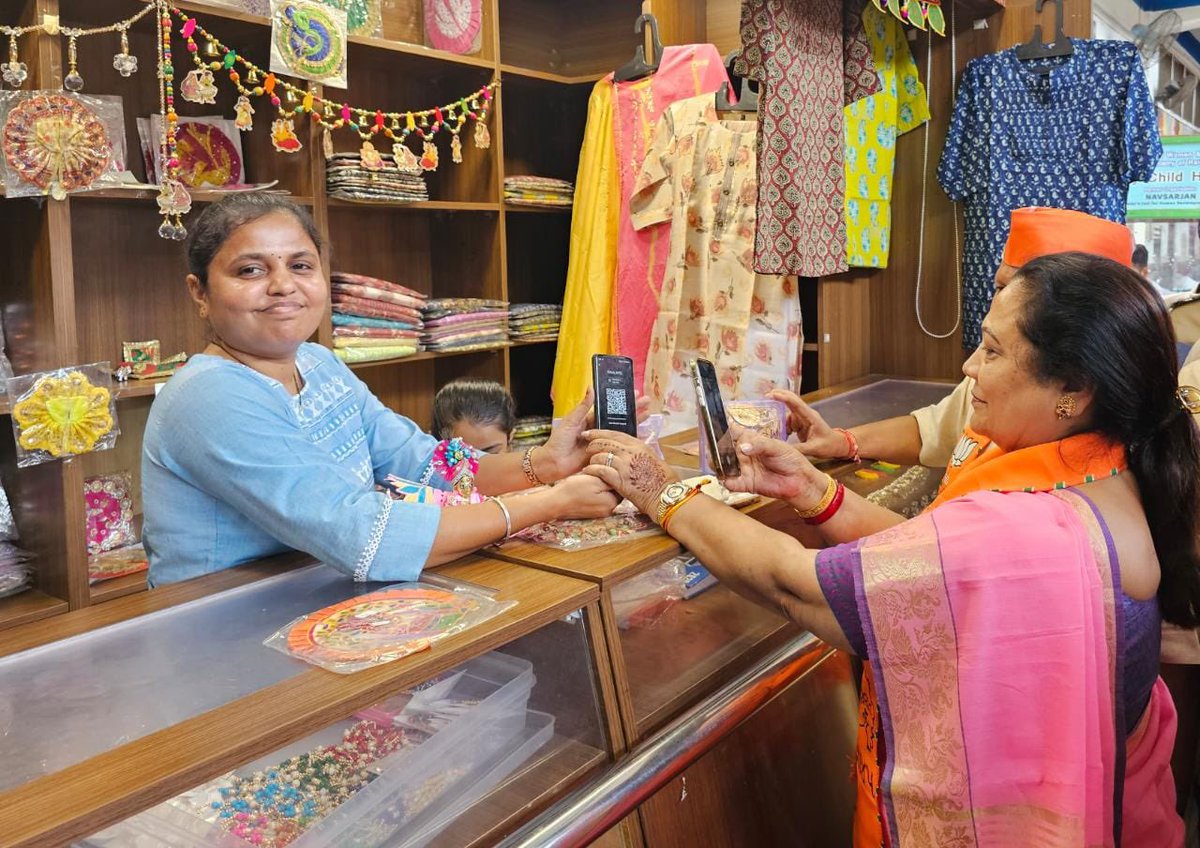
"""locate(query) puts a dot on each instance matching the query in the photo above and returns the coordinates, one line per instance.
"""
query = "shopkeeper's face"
(1009, 405)
(266, 289)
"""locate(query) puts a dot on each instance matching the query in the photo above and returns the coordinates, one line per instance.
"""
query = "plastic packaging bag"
(108, 502)
(581, 534)
(88, 132)
(642, 601)
(16, 573)
(119, 562)
(63, 413)
(388, 624)
(766, 417)
(5, 366)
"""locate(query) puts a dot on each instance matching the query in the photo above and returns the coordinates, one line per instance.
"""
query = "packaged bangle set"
(765, 417)
(385, 625)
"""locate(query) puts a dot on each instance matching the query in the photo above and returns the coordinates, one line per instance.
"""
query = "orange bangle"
(669, 514)
(832, 509)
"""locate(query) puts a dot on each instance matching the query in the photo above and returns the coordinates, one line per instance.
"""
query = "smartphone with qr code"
(714, 424)
(616, 403)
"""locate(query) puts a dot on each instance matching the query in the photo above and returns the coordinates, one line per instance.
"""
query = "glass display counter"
(185, 719)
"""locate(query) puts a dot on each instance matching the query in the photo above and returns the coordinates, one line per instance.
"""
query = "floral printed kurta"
(872, 125)
(699, 173)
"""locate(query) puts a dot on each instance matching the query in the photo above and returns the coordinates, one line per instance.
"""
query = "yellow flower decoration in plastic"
(63, 416)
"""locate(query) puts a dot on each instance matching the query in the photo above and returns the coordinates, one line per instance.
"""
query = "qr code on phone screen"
(615, 402)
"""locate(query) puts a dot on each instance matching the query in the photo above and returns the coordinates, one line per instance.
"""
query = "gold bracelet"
(823, 504)
(527, 467)
(670, 513)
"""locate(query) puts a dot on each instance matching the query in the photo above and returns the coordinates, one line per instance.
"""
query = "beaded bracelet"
(823, 504)
(830, 511)
(527, 467)
(851, 445)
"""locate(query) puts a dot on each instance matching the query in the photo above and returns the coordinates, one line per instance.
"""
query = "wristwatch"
(672, 494)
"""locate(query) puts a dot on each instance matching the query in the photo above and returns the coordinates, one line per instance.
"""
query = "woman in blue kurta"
(266, 443)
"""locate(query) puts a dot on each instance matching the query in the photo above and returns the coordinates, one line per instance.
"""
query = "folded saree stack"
(530, 431)
(347, 178)
(375, 319)
(534, 322)
(464, 323)
(538, 191)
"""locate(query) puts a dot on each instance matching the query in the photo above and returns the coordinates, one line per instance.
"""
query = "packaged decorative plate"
(109, 503)
(56, 142)
(454, 25)
(583, 533)
(386, 625)
(208, 157)
(63, 413)
(117, 563)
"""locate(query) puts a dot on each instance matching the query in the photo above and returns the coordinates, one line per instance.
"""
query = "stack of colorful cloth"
(534, 322)
(538, 191)
(375, 319)
(530, 431)
(347, 179)
(465, 323)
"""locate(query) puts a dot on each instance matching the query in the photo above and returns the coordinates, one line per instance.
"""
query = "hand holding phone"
(713, 421)
(616, 401)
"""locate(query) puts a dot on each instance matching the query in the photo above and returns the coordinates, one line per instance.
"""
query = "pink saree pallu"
(992, 632)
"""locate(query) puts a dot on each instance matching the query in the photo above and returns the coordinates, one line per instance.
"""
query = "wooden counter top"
(84, 798)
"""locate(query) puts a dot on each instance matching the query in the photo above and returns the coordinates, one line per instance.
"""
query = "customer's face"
(488, 438)
(266, 289)
(1009, 405)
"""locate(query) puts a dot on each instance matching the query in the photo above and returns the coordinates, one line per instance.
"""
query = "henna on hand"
(646, 475)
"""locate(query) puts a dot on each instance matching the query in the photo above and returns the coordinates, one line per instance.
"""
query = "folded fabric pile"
(16, 574)
(534, 322)
(538, 191)
(530, 431)
(347, 179)
(374, 319)
(465, 323)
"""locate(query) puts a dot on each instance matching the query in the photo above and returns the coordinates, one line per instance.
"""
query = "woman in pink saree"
(1012, 630)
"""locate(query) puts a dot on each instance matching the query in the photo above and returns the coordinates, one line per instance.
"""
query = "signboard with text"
(1173, 193)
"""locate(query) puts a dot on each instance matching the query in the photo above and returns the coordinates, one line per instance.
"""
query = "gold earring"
(1065, 408)
(203, 310)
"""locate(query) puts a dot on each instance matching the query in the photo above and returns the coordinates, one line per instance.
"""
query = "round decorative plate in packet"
(56, 143)
(109, 502)
(382, 626)
(454, 25)
(207, 156)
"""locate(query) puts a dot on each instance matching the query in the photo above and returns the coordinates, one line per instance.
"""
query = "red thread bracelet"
(851, 445)
(830, 511)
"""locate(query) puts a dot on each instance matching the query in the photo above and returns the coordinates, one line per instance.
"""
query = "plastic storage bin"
(408, 782)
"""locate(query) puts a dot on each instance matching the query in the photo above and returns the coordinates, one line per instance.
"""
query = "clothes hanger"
(638, 67)
(1035, 49)
(747, 97)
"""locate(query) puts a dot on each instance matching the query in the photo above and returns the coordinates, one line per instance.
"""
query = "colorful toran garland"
(174, 200)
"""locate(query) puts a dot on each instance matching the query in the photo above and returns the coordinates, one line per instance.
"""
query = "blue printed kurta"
(1074, 138)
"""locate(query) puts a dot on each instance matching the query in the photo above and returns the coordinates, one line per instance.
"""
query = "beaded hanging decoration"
(63, 416)
(173, 199)
(919, 13)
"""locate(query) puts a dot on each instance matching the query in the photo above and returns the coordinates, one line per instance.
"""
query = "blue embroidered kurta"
(235, 469)
(1073, 138)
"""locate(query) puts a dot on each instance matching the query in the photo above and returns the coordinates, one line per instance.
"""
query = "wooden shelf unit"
(85, 274)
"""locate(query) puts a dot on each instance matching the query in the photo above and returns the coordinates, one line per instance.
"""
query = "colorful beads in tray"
(271, 808)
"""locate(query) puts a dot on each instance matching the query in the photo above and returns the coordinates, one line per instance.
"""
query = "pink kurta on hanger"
(684, 72)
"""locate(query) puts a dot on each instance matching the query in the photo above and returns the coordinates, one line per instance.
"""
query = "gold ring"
(608, 460)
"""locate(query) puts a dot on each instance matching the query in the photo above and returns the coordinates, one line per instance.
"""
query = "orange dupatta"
(977, 465)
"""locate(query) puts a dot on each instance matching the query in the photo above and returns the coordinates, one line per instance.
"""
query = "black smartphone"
(616, 402)
(713, 421)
